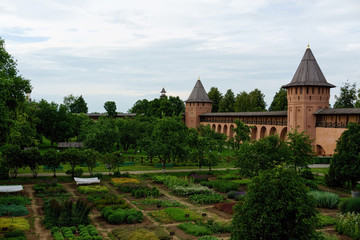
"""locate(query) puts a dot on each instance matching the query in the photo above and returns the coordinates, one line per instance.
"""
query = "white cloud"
(128, 50)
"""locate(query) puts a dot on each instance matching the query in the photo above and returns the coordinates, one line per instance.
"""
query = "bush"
(218, 227)
(14, 224)
(145, 192)
(190, 190)
(325, 199)
(112, 201)
(13, 210)
(206, 198)
(236, 195)
(120, 216)
(276, 206)
(194, 229)
(93, 189)
(350, 205)
(325, 220)
(242, 182)
(348, 224)
(15, 234)
(178, 214)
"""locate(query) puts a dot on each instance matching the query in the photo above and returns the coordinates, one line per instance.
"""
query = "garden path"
(41, 232)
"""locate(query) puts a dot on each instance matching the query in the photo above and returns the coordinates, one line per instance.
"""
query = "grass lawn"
(320, 170)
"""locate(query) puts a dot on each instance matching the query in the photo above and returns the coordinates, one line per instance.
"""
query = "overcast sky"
(123, 51)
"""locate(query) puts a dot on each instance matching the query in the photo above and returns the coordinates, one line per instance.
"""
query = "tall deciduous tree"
(79, 105)
(242, 133)
(242, 102)
(13, 158)
(52, 160)
(110, 107)
(301, 150)
(277, 206)
(347, 96)
(257, 100)
(33, 159)
(279, 102)
(345, 165)
(266, 153)
(228, 102)
(215, 96)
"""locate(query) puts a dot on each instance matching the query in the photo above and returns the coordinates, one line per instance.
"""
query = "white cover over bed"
(11, 188)
(86, 180)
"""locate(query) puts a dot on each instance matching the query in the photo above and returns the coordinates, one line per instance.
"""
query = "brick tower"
(307, 92)
(197, 104)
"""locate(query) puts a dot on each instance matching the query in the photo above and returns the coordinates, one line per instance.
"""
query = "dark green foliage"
(228, 101)
(218, 227)
(276, 206)
(208, 238)
(50, 188)
(350, 205)
(250, 102)
(14, 199)
(15, 234)
(266, 153)
(145, 192)
(347, 96)
(169, 106)
(279, 102)
(120, 216)
(242, 133)
(66, 214)
(13, 210)
(110, 107)
(194, 229)
(236, 195)
(345, 164)
(222, 185)
(215, 96)
(206, 198)
(110, 201)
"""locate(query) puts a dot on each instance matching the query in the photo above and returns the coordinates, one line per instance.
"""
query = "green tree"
(74, 157)
(79, 105)
(22, 132)
(242, 133)
(347, 96)
(257, 101)
(13, 158)
(91, 158)
(52, 160)
(112, 161)
(215, 96)
(33, 159)
(168, 138)
(228, 102)
(345, 164)
(276, 206)
(301, 150)
(110, 107)
(266, 153)
(101, 136)
(129, 131)
(279, 102)
(242, 102)
(5, 123)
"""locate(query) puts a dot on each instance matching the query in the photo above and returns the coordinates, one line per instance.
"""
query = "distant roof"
(338, 111)
(198, 94)
(245, 114)
(70, 145)
(163, 90)
(117, 115)
(308, 73)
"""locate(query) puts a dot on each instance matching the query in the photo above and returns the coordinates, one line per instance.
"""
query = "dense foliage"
(276, 206)
(325, 199)
(348, 224)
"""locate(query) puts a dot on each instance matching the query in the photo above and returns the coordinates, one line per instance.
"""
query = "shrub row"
(112, 201)
(325, 199)
(173, 214)
(161, 203)
(88, 232)
(222, 186)
(236, 195)
(93, 189)
(120, 216)
(206, 198)
(205, 228)
(350, 205)
(145, 192)
(14, 199)
(229, 176)
(15, 235)
(13, 210)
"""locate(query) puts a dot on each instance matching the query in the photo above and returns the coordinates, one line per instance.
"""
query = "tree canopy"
(215, 96)
(110, 107)
(279, 102)
(250, 102)
(347, 97)
(228, 102)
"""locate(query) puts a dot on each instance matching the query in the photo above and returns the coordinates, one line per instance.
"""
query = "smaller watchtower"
(197, 104)
(163, 93)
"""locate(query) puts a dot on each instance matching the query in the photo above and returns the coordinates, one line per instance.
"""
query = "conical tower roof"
(198, 94)
(308, 73)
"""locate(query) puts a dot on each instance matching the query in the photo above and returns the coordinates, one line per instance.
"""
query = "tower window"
(301, 90)
(296, 90)
(307, 90)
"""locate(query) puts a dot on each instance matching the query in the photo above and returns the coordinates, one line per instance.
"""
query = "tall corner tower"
(197, 104)
(307, 92)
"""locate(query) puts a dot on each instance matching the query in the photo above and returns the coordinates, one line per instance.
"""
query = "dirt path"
(41, 232)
